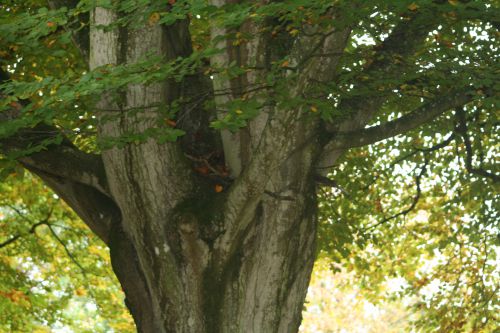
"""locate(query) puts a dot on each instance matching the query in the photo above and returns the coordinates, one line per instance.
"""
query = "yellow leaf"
(80, 291)
(453, 2)
(294, 32)
(154, 18)
(314, 109)
(413, 6)
(238, 111)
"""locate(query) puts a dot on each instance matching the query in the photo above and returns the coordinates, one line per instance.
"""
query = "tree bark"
(191, 259)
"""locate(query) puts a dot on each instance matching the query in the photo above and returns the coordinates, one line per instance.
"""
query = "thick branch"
(77, 177)
(414, 119)
(63, 161)
(319, 55)
(404, 40)
(97, 210)
(69, 163)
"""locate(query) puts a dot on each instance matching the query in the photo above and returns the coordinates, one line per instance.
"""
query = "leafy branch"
(412, 120)
(416, 198)
(462, 130)
(412, 153)
(20, 235)
(50, 226)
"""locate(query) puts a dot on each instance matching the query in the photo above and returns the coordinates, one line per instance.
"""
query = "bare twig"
(416, 198)
(68, 252)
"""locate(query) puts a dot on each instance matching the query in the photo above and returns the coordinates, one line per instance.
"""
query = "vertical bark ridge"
(148, 179)
(264, 288)
(238, 146)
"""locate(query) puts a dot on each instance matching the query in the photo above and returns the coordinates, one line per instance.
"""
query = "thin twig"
(416, 198)
(415, 151)
(68, 252)
(31, 231)
(462, 129)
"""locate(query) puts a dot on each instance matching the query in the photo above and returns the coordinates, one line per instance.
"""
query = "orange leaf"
(285, 63)
(202, 170)
(218, 188)
(447, 43)
(16, 105)
(51, 24)
(170, 122)
(80, 291)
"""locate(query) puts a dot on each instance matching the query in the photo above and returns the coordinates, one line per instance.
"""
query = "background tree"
(55, 272)
(192, 138)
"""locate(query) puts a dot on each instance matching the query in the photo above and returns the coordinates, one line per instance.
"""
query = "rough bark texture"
(191, 259)
(197, 260)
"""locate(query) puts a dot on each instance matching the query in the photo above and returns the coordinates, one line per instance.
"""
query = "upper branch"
(318, 53)
(77, 177)
(404, 40)
(412, 120)
(60, 161)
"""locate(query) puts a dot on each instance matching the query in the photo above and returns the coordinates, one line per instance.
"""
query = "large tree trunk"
(191, 259)
(191, 285)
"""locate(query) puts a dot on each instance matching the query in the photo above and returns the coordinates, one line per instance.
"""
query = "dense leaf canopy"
(420, 206)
